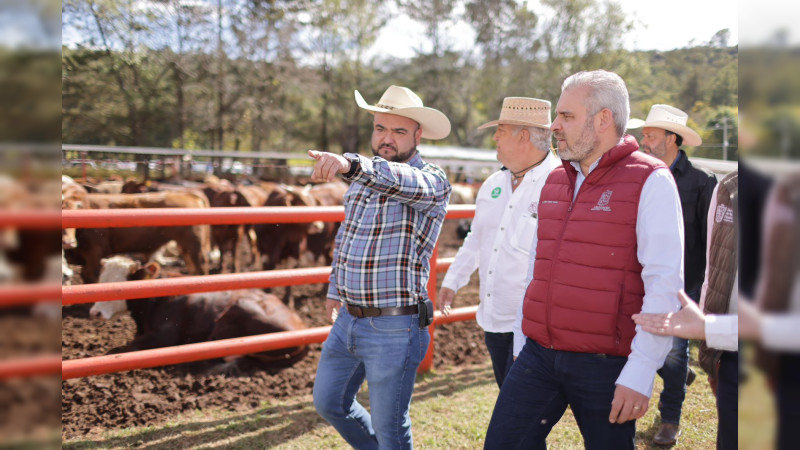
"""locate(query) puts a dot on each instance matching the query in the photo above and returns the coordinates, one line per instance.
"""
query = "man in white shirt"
(499, 242)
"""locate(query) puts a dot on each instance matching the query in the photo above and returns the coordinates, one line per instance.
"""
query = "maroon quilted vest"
(587, 279)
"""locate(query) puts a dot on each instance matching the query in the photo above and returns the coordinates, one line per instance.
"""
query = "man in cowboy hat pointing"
(499, 243)
(663, 133)
(377, 297)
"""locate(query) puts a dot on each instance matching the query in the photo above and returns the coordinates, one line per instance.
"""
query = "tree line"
(279, 75)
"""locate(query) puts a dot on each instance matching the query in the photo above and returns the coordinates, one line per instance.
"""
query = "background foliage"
(279, 75)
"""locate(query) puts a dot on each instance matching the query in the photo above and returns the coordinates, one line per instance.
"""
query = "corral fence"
(129, 290)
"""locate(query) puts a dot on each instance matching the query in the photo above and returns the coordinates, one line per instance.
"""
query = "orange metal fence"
(150, 288)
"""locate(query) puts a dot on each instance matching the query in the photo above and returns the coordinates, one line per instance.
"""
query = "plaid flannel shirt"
(393, 215)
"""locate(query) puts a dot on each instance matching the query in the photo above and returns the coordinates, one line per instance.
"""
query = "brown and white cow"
(186, 319)
(93, 244)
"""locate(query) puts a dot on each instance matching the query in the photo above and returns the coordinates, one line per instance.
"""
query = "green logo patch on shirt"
(496, 192)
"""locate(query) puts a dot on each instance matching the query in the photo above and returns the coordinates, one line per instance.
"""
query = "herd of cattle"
(267, 244)
(117, 254)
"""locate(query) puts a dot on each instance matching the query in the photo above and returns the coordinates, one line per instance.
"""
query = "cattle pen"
(128, 290)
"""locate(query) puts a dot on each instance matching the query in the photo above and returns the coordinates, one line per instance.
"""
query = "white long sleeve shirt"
(499, 243)
(659, 235)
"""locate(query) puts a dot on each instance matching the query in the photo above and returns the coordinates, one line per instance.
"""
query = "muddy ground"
(153, 396)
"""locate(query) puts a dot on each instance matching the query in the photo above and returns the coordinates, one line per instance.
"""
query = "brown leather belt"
(368, 311)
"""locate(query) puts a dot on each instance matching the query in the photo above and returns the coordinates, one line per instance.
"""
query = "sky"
(658, 26)
(762, 18)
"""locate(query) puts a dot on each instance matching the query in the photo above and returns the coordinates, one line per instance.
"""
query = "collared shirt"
(675, 161)
(499, 244)
(659, 235)
(393, 216)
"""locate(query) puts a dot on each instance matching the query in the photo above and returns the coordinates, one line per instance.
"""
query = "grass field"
(450, 409)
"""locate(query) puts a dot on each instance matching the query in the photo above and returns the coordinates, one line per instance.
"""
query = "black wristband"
(354, 163)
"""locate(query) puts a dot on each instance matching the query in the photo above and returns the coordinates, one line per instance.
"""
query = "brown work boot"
(667, 435)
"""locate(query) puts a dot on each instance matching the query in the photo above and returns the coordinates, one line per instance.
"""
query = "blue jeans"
(501, 350)
(674, 372)
(540, 386)
(385, 351)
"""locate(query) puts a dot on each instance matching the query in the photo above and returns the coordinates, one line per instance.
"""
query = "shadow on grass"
(270, 425)
(431, 385)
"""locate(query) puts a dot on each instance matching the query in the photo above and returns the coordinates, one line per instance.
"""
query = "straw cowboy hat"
(671, 119)
(401, 101)
(524, 111)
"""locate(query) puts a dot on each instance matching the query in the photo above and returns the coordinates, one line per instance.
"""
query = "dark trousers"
(540, 386)
(728, 401)
(788, 401)
(501, 350)
(674, 372)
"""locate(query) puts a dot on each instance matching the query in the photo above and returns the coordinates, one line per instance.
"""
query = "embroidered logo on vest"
(602, 204)
(723, 213)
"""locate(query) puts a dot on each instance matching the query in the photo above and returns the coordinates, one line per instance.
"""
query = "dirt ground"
(153, 396)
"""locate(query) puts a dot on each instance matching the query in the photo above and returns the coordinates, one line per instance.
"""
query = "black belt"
(368, 311)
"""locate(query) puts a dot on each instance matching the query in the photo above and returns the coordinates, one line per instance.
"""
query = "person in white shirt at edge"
(504, 225)
(600, 258)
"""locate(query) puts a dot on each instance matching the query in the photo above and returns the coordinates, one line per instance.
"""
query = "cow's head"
(120, 268)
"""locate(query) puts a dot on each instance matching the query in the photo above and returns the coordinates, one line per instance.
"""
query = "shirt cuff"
(639, 376)
(722, 331)
(779, 332)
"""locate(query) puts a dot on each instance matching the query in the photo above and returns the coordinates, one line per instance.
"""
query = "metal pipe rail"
(21, 295)
(30, 365)
(148, 217)
(143, 359)
(129, 290)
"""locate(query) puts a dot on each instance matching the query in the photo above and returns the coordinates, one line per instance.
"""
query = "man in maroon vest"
(609, 245)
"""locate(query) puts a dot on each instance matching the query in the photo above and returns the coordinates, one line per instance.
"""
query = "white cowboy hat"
(401, 101)
(524, 111)
(669, 118)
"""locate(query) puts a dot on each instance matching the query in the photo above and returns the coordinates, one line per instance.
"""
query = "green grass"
(451, 409)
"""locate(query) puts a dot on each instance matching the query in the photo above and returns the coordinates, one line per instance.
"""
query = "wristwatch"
(354, 165)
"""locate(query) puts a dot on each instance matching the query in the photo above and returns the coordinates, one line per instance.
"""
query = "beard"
(659, 151)
(582, 147)
(399, 157)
